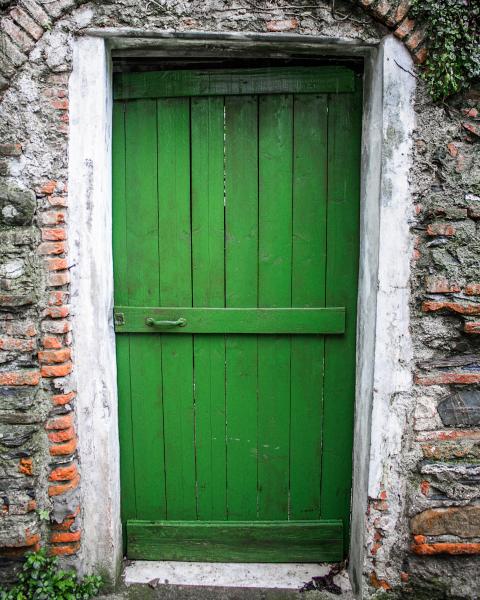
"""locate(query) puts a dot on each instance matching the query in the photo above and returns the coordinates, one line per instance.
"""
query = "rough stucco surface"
(429, 463)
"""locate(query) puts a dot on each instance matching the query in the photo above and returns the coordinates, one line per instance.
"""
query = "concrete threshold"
(289, 576)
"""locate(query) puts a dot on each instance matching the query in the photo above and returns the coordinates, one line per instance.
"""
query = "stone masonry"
(435, 543)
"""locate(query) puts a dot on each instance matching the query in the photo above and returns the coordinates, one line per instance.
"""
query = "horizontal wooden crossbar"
(236, 541)
(134, 319)
(273, 80)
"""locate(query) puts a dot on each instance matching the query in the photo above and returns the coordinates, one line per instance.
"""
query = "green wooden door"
(236, 208)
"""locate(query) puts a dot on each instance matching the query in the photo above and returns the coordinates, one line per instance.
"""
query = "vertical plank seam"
(157, 104)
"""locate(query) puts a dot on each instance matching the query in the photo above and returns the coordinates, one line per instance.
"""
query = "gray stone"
(460, 409)
(17, 205)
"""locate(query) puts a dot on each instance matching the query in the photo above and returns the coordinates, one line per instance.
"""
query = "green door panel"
(235, 239)
(236, 541)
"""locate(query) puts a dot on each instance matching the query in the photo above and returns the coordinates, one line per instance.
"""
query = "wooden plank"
(143, 287)
(261, 541)
(344, 121)
(119, 234)
(209, 290)
(241, 273)
(308, 289)
(274, 290)
(232, 320)
(270, 80)
(173, 119)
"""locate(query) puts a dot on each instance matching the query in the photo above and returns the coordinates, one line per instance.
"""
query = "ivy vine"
(453, 36)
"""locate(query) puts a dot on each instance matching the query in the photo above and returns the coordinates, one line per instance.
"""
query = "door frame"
(383, 339)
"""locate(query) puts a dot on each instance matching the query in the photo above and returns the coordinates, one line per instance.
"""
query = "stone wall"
(425, 539)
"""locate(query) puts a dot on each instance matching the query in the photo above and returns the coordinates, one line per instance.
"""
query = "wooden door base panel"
(236, 541)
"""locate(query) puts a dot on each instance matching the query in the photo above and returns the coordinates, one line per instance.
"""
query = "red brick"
(470, 112)
(27, 23)
(440, 285)
(64, 525)
(381, 9)
(64, 435)
(451, 548)
(57, 298)
(57, 370)
(452, 149)
(52, 343)
(419, 539)
(61, 104)
(63, 422)
(29, 540)
(65, 550)
(48, 187)
(63, 537)
(472, 327)
(404, 28)
(64, 473)
(56, 264)
(51, 248)
(54, 234)
(8, 343)
(61, 201)
(425, 487)
(440, 229)
(56, 327)
(415, 39)
(448, 436)
(448, 378)
(36, 12)
(64, 449)
(17, 34)
(25, 466)
(455, 307)
(53, 217)
(379, 583)
(61, 399)
(10, 149)
(401, 10)
(58, 278)
(54, 356)
(420, 55)
(63, 488)
(56, 312)
(473, 289)
(282, 25)
(19, 378)
(471, 128)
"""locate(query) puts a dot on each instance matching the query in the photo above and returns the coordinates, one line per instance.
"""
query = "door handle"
(181, 322)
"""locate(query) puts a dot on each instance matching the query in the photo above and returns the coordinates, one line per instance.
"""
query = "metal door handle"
(181, 322)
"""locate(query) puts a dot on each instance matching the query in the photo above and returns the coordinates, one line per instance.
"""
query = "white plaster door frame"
(383, 341)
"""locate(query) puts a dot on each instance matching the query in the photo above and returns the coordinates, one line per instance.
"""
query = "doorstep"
(171, 580)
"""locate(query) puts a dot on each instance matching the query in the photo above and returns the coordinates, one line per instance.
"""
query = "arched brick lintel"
(24, 24)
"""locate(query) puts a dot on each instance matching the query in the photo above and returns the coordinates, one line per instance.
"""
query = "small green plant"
(41, 580)
(43, 515)
(453, 32)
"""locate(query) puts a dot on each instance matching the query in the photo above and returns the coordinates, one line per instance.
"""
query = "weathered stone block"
(460, 409)
(17, 205)
(461, 521)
